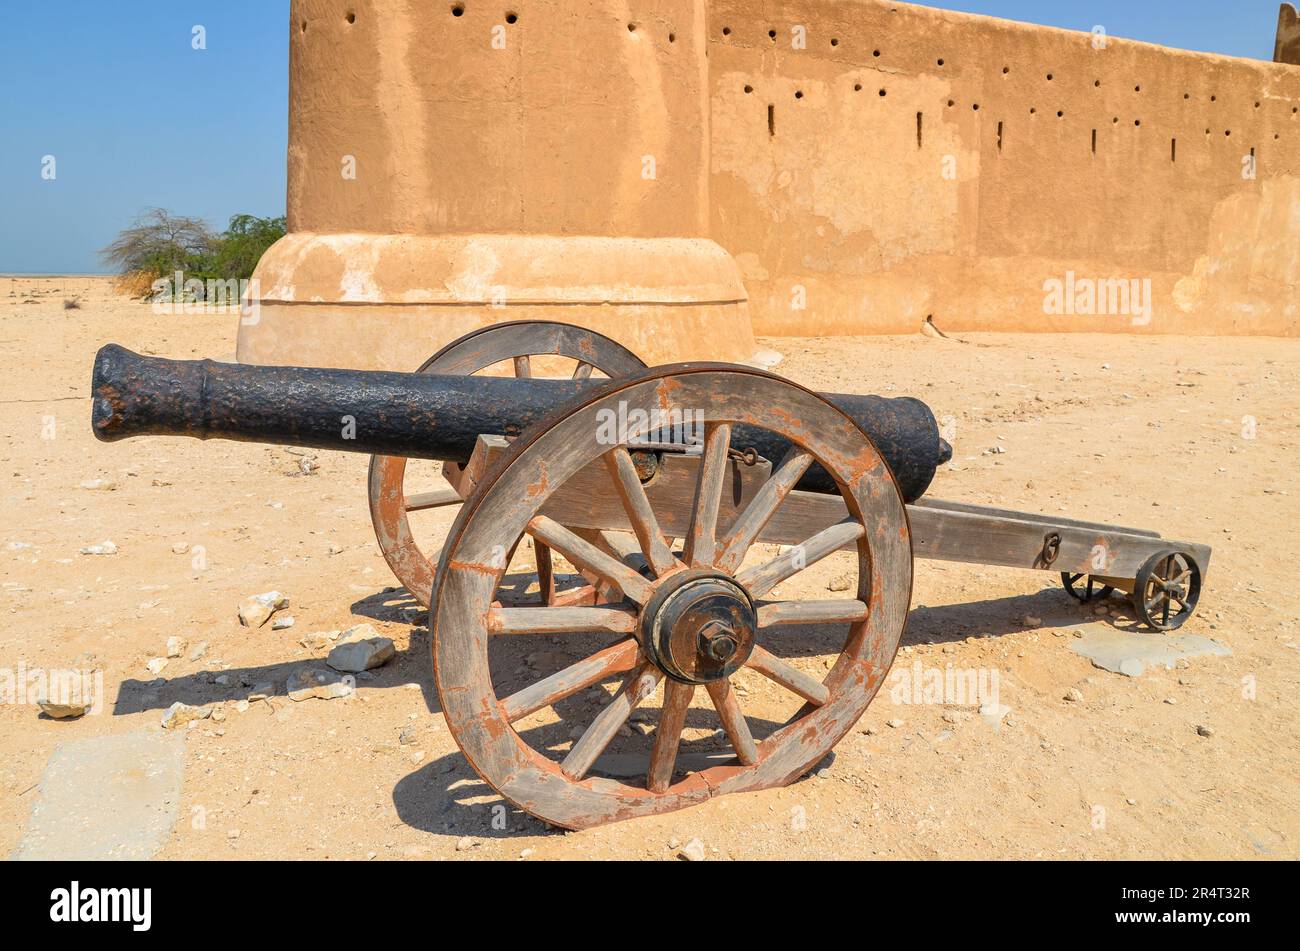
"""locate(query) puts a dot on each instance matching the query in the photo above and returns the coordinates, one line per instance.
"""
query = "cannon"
(665, 507)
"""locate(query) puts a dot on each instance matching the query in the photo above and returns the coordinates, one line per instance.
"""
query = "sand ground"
(1147, 432)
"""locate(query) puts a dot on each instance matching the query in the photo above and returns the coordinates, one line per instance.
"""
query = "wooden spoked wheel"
(1166, 590)
(690, 618)
(515, 341)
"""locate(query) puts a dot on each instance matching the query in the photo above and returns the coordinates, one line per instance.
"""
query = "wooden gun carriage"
(681, 497)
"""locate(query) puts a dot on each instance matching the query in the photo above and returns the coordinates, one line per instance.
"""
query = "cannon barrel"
(420, 415)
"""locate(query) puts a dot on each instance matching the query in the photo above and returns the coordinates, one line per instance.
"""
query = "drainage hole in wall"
(351, 17)
(798, 93)
(512, 18)
(457, 10)
(726, 31)
(748, 90)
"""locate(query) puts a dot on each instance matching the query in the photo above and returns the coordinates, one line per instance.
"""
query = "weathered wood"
(436, 499)
(541, 620)
(523, 367)
(583, 554)
(733, 721)
(551, 690)
(644, 524)
(941, 531)
(788, 676)
(640, 685)
(668, 735)
(841, 611)
(545, 572)
(702, 537)
(751, 522)
(760, 579)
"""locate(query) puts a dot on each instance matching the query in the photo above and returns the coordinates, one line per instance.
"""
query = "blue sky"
(135, 117)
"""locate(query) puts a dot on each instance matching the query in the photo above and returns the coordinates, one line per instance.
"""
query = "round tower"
(456, 163)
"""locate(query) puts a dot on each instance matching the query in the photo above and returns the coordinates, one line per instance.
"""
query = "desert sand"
(1194, 437)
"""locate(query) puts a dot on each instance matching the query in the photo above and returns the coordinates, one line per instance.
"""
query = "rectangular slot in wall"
(1094, 141)
(918, 130)
(771, 119)
(1173, 150)
(999, 136)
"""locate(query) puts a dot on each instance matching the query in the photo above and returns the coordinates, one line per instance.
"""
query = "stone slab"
(1133, 654)
(106, 798)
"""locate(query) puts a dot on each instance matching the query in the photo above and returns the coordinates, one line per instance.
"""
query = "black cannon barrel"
(417, 415)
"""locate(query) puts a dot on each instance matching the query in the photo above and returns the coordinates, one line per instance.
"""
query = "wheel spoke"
(582, 371)
(561, 621)
(523, 367)
(837, 611)
(545, 572)
(745, 531)
(733, 721)
(668, 735)
(565, 683)
(763, 578)
(640, 685)
(432, 500)
(788, 676)
(583, 554)
(644, 523)
(701, 538)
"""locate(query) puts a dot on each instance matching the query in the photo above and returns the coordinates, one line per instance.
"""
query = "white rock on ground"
(310, 682)
(693, 851)
(175, 646)
(257, 610)
(361, 648)
(179, 714)
(103, 548)
(282, 623)
(157, 665)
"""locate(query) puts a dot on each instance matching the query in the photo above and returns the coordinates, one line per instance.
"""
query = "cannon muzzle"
(420, 416)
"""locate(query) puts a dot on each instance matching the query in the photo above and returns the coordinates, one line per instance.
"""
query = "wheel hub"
(699, 627)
